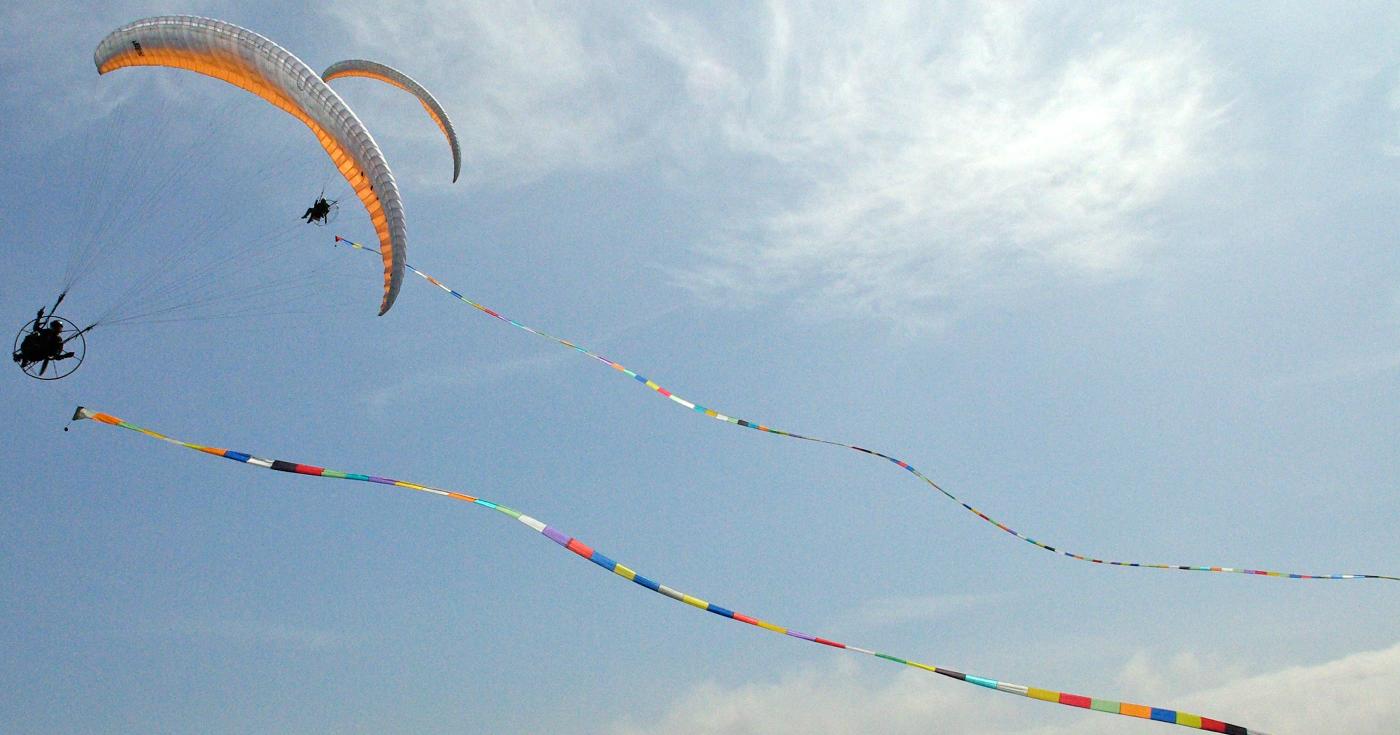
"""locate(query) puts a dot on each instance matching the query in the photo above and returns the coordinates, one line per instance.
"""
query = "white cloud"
(1157, 678)
(933, 156)
(437, 380)
(834, 699)
(1354, 694)
(1392, 148)
(1356, 368)
(897, 159)
(885, 611)
(46, 52)
(531, 89)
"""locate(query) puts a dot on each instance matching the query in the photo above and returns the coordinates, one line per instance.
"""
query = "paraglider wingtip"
(80, 413)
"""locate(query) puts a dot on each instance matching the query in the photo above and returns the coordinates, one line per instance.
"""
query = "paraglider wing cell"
(247, 60)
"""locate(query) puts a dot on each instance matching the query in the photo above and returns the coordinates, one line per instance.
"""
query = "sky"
(1123, 277)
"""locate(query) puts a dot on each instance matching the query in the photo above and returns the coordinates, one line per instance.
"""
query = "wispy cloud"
(1353, 694)
(1340, 369)
(60, 90)
(437, 381)
(434, 378)
(900, 160)
(832, 699)
(929, 157)
(532, 89)
(887, 611)
(1392, 147)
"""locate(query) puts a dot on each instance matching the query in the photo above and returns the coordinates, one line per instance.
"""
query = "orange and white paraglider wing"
(245, 59)
(390, 75)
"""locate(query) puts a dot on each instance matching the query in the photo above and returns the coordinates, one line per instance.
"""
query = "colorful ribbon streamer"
(1145, 712)
(895, 460)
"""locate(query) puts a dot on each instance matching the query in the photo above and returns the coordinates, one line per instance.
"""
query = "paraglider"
(252, 62)
(42, 343)
(321, 213)
(390, 75)
(169, 289)
(49, 341)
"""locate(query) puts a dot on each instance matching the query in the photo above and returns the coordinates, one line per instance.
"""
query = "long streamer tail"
(578, 547)
(697, 408)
